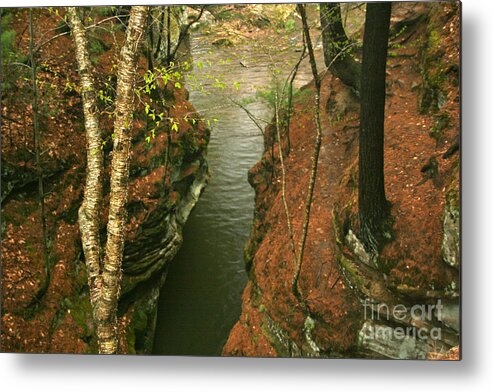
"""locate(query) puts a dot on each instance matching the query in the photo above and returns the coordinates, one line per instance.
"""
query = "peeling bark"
(89, 218)
(112, 266)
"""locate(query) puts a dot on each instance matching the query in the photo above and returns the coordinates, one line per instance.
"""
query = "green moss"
(434, 68)
(249, 252)
(256, 296)
(81, 312)
(96, 47)
(137, 331)
(432, 95)
(352, 272)
(289, 24)
(225, 15)
(189, 144)
(432, 80)
(106, 11)
(433, 39)
(442, 122)
(452, 195)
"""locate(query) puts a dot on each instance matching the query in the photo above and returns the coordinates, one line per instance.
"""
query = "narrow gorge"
(223, 140)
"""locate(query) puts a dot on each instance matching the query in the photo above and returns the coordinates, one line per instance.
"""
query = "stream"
(201, 298)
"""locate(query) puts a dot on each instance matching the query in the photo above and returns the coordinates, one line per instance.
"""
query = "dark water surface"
(201, 299)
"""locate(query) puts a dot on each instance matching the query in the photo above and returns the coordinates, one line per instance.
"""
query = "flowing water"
(201, 299)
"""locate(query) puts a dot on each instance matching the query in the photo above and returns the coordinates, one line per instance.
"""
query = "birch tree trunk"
(112, 266)
(105, 277)
(89, 218)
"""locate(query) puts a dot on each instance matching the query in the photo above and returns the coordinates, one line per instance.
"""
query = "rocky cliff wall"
(59, 319)
(404, 303)
(45, 304)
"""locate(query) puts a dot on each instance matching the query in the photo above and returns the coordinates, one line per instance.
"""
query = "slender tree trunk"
(112, 267)
(335, 40)
(89, 212)
(37, 141)
(290, 97)
(316, 153)
(373, 206)
(277, 104)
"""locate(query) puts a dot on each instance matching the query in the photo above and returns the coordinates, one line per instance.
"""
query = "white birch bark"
(104, 276)
(89, 212)
(112, 266)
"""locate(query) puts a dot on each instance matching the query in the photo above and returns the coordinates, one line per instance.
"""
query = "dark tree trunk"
(373, 206)
(337, 51)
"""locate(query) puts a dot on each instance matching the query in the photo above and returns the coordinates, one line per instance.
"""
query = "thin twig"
(252, 117)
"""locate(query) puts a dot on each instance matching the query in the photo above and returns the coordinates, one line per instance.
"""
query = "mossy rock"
(442, 122)
(433, 71)
(451, 224)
